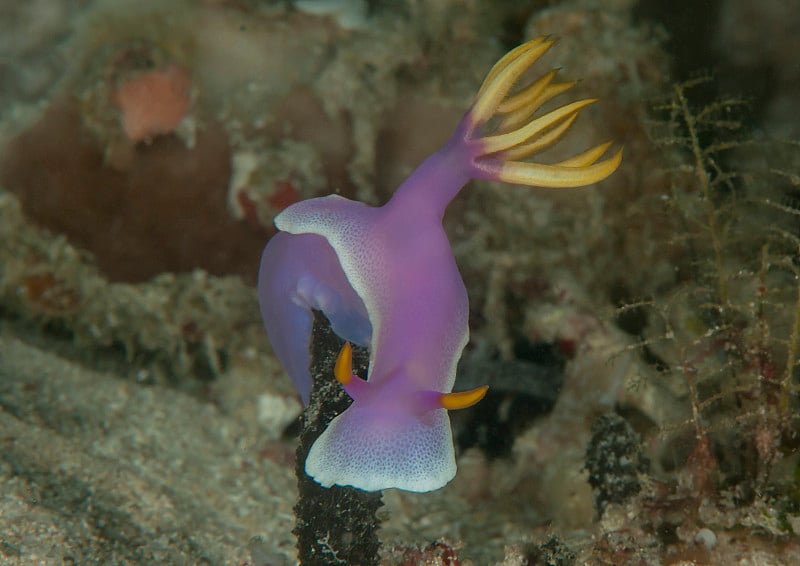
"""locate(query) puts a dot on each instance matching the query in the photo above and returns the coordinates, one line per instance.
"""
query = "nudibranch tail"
(375, 450)
(519, 135)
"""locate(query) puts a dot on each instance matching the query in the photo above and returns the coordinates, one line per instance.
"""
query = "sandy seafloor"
(143, 416)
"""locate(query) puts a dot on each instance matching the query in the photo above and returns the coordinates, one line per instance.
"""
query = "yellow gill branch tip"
(528, 95)
(503, 76)
(587, 157)
(547, 139)
(520, 116)
(558, 176)
(493, 144)
(506, 59)
(519, 135)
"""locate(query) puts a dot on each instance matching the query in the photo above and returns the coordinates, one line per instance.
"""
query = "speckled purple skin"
(386, 278)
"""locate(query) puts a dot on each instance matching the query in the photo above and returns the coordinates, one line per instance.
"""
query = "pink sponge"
(154, 103)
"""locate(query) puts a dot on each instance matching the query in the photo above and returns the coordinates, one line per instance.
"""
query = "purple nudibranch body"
(386, 279)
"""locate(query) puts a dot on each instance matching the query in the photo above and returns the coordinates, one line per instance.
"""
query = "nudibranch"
(386, 279)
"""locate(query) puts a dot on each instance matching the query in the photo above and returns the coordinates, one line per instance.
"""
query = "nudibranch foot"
(374, 450)
(519, 135)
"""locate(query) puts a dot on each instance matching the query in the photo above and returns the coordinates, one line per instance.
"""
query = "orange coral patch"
(153, 103)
